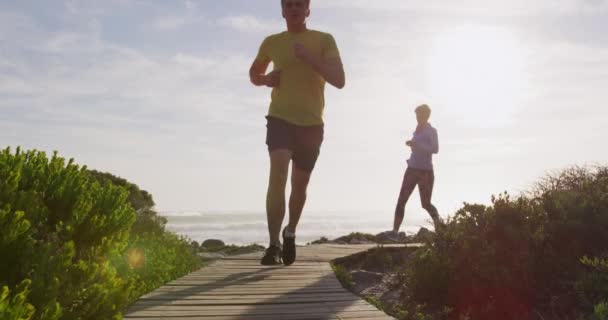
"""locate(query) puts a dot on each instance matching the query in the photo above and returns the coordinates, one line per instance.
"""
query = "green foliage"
(16, 307)
(320, 241)
(418, 312)
(428, 276)
(592, 285)
(521, 258)
(234, 249)
(377, 259)
(147, 220)
(600, 311)
(153, 256)
(357, 235)
(375, 302)
(153, 260)
(342, 274)
(66, 225)
(65, 238)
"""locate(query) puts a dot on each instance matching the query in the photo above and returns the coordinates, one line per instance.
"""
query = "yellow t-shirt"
(299, 98)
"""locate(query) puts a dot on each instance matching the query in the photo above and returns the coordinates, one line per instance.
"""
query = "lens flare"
(136, 258)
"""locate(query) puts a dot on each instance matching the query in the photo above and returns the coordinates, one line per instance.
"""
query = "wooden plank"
(253, 278)
(214, 296)
(240, 288)
(246, 284)
(252, 311)
(239, 301)
(247, 299)
(237, 290)
(269, 305)
(308, 316)
(256, 315)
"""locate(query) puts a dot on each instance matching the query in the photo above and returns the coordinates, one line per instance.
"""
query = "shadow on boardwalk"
(242, 289)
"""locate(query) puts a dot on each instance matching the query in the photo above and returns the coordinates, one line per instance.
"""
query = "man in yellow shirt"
(303, 60)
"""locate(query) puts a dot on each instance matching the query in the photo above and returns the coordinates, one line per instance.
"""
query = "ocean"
(242, 228)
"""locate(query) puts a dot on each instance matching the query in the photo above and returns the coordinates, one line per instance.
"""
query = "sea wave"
(251, 227)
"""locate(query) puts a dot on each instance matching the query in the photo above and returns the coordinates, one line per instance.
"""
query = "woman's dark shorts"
(303, 141)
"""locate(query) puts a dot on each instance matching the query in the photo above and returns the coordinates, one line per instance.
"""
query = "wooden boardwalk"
(239, 287)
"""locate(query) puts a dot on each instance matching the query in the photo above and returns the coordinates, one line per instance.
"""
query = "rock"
(423, 235)
(356, 238)
(388, 238)
(390, 297)
(212, 243)
(322, 240)
(363, 280)
(359, 240)
(195, 245)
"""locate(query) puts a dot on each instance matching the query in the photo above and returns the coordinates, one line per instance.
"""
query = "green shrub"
(153, 260)
(342, 274)
(520, 258)
(146, 219)
(428, 276)
(16, 307)
(152, 256)
(69, 224)
(592, 284)
(357, 235)
(600, 311)
(319, 241)
(65, 232)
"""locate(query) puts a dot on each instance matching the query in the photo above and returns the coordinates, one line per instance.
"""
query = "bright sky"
(158, 92)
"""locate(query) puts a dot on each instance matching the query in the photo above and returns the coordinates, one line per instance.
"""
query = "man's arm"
(259, 78)
(330, 69)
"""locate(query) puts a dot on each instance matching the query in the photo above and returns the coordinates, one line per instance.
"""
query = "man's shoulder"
(321, 34)
(275, 36)
(430, 128)
(309, 32)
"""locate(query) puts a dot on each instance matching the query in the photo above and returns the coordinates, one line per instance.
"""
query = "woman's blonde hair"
(424, 109)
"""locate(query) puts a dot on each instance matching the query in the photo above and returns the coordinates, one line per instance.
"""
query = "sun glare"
(477, 72)
(136, 258)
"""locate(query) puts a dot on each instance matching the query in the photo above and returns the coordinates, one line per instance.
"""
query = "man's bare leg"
(299, 184)
(275, 197)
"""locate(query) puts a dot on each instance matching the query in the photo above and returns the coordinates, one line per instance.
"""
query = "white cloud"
(180, 18)
(189, 61)
(70, 42)
(248, 23)
(184, 114)
(493, 7)
(190, 5)
(170, 22)
(95, 8)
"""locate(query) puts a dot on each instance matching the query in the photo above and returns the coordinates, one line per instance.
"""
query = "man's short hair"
(307, 2)
(424, 109)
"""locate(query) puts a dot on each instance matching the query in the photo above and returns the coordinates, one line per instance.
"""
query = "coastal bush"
(342, 274)
(66, 242)
(592, 286)
(146, 219)
(15, 307)
(152, 256)
(358, 236)
(319, 241)
(523, 257)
